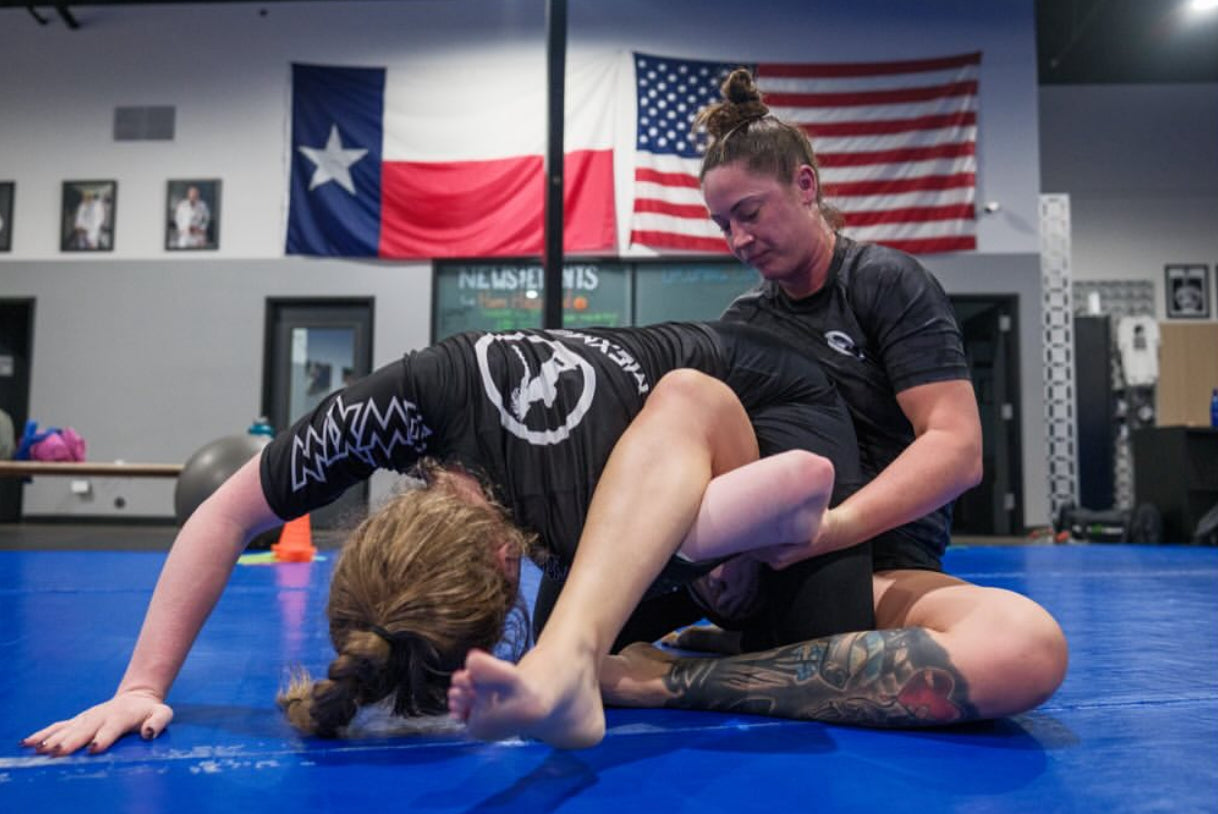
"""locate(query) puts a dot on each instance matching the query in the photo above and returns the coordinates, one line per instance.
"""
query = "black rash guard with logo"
(881, 324)
(538, 412)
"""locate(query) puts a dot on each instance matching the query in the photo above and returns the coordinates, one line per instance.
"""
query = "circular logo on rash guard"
(843, 344)
(550, 387)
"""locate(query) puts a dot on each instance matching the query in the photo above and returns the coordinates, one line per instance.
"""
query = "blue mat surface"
(1133, 729)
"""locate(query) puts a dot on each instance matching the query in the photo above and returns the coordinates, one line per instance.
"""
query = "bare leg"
(691, 429)
(951, 652)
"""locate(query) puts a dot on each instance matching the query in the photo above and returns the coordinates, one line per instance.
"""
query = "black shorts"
(904, 554)
(915, 546)
(819, 597)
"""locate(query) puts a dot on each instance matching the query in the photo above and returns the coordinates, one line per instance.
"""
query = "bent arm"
(943, 461)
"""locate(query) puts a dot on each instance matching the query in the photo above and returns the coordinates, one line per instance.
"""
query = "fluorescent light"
(1204, 5)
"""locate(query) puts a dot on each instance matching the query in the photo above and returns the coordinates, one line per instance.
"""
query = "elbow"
(973, 467)
(969, 452)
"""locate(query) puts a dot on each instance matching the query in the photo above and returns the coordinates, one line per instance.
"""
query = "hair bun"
(741, 103)
(740, 88)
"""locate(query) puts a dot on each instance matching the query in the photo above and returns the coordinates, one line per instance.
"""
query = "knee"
(1028, 659)
(693, 396)
(686, 384)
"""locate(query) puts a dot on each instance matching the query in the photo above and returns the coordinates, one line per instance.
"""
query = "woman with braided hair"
(420, 569)
(884, 332)
(638, 459)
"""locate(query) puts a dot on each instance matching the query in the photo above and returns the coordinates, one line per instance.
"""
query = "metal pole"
(556, 59)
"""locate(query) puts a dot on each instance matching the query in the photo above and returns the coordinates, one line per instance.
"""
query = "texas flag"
(444, 162)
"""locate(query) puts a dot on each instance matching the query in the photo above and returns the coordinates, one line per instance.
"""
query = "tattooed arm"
(886, 678)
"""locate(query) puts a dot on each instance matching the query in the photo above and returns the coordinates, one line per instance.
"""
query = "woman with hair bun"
(884, 332)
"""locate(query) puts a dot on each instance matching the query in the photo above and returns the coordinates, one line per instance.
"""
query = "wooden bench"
(25, 469)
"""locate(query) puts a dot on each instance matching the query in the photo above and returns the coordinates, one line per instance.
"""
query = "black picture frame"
(192, 227)
(8, 191)
(1186, 290)
(88, 214)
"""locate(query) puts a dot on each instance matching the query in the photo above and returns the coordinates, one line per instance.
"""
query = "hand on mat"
(100, 726)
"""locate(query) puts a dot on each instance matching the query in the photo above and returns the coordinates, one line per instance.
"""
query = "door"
(313, 348)
(995, 506)
(16, 345)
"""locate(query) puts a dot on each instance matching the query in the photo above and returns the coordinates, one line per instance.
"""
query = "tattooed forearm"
(878, 678)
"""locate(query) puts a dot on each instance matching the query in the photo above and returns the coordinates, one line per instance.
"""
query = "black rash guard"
(880, 325)
(538, 412)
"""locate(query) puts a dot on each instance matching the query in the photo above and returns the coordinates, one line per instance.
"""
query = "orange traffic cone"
(295, 541)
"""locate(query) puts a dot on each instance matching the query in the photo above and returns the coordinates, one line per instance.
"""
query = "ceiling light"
(1203, 5)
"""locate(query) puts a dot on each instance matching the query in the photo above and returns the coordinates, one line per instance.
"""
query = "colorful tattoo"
(878, 678)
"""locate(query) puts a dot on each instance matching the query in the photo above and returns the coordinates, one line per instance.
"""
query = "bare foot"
(555, 700)
(635, 676)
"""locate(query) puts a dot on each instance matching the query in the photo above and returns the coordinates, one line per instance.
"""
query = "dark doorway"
(990, 329)
(16, 355)
(314, 347)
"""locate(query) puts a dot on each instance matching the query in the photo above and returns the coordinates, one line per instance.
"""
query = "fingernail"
(147, 733)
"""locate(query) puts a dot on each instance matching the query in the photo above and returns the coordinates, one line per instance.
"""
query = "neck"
(817, 272)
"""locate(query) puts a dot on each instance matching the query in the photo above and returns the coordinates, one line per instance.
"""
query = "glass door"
(315, 347)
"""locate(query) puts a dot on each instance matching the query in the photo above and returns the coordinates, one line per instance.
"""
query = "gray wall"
(151, 354)
(151, 359)
(1140, 163)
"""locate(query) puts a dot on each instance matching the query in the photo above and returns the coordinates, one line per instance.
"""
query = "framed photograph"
(193, 216)
(1187, 290)
(88, 215)
(7, 190)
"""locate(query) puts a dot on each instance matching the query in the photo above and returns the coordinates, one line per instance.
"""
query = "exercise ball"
(209, 467)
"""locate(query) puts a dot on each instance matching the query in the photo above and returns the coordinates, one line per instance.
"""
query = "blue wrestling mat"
(1133, 729)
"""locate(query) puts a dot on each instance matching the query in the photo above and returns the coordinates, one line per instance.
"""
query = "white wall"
(151, 354)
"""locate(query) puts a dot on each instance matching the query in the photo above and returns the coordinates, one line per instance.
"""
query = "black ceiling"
(1078, 41)
(1125, 41)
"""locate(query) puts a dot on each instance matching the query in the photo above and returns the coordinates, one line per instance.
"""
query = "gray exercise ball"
(209, 467)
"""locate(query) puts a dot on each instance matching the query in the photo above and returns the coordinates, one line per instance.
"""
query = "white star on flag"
(333, 163)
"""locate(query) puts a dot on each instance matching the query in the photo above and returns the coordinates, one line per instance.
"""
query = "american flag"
(896, 142)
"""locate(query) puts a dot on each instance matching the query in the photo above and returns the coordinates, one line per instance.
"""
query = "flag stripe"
(835, 176)
(959, 119)
(821, 70)
(670, 240)
(879, 97)
(915, 138)
(694, 211)
(492, 208)
(906, 200)
(888, 187)
(910, 214)
(912, 230)
(961, 243)
(668, 179)
(663, 222)
(691, 196)
(901, 155)
(875, 113)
